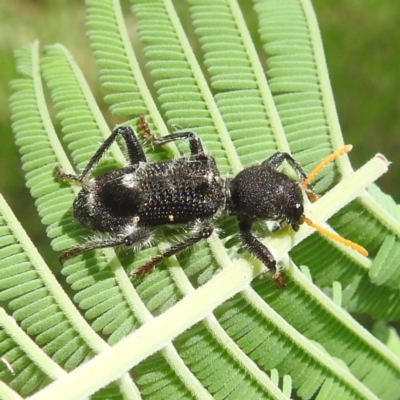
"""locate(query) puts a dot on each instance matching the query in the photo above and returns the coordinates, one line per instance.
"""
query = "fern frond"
(301, 90)
(181, 85)
(108, 299)
(41, 305)
(243, 96)
(98, 294)
(332, 327)
(119, 69)
(383, 270)
(299, 81)
(203, 327)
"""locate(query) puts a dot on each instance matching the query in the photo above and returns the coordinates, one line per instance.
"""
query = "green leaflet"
(181, 348)
(385, 268)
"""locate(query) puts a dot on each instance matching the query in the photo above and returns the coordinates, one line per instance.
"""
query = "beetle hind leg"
(138, 238)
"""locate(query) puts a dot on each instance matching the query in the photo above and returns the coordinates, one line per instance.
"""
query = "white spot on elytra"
(129, 181)
(90, 203)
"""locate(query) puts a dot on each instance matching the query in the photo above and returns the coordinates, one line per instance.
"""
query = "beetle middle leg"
(135, 153)
(203, 230)
(196, 147)
(195, 144)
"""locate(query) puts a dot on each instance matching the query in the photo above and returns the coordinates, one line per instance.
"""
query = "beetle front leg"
(277, 159)
(255, 247)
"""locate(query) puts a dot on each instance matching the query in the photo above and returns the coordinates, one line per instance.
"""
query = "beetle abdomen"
(152, 194)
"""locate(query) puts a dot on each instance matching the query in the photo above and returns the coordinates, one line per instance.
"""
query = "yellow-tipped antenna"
(331, 235)
(323, 163)
(314, 196)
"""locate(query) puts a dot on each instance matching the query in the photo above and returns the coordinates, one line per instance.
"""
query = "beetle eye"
(297, 212)
(296, 217)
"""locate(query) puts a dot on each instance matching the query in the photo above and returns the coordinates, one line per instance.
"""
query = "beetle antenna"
(314, 196)
(338, 238)
(322, 164)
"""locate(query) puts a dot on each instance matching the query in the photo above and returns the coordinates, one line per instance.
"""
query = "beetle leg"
(277, 159)
(203, 230)
(137, 238)
(255, 247)
(196, 146)
(135, 153)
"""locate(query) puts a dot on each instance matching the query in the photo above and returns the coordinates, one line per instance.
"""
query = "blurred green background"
(362, 45)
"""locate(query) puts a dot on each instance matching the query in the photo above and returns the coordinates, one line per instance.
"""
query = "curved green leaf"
(33, 294)
(300, 86)
(192, 332)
